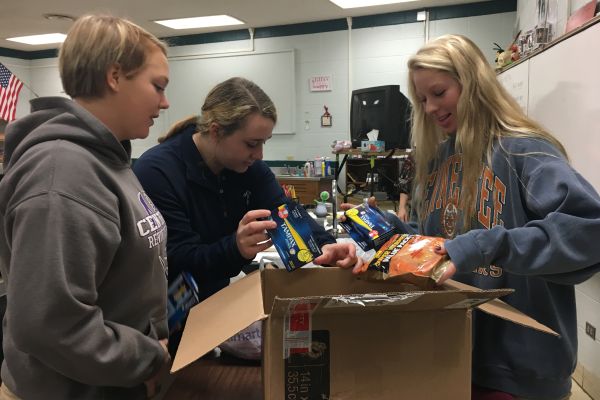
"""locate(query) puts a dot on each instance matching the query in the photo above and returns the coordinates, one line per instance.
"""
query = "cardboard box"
(347, 338)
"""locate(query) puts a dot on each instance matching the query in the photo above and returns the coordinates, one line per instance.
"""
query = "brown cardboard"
(367, 339)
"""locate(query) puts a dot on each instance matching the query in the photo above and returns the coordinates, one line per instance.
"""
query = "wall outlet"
(590, 330)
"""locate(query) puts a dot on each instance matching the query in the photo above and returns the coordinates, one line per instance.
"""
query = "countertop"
(304, 178)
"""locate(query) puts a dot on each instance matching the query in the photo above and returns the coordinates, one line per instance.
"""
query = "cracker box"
(367, 226)
(181, 295)
(293, 238)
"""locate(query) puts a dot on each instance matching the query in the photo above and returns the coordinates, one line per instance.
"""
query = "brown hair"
(96, 42)
(228, 104)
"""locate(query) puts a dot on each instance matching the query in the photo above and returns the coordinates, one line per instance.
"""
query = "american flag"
(10, 86)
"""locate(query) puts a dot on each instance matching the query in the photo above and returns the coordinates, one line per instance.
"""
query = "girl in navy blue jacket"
(208, 180)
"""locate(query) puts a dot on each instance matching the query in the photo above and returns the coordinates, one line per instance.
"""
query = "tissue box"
(372, 146)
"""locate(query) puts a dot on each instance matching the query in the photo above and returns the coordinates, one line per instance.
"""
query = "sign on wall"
(320, 83)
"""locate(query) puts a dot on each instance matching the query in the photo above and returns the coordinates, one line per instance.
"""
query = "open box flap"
(219, 317)
(503, 310)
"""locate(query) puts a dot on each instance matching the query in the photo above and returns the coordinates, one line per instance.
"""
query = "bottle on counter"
(307, 168)
(319, 167)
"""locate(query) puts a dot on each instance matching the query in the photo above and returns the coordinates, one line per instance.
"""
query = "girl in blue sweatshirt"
(515, 213)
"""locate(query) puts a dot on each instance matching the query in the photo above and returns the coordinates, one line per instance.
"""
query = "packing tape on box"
(297, 327)
(369, 300)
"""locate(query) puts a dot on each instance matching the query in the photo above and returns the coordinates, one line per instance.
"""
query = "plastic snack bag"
(409, 258)
(246, 344)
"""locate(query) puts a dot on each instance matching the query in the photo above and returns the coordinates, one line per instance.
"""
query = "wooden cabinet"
(307, 188)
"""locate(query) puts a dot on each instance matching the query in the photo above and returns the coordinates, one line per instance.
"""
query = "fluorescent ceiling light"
(40, 39)
(200, 22)
(365, 3)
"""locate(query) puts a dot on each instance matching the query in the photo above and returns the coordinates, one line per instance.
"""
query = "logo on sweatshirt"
(153, 226)
(246, 195)
(443, 193)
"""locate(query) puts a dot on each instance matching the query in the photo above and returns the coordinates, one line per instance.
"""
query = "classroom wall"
(359, 58)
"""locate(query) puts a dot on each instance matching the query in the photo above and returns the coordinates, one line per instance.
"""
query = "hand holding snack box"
(417, 259)
(293, 238)
(296, 244)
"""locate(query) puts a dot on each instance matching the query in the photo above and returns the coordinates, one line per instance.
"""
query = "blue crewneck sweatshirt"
(535, 230)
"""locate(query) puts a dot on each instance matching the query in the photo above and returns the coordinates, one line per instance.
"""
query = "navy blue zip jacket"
(203, 210)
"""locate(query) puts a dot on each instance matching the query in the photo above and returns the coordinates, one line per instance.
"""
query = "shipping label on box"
(307, 374)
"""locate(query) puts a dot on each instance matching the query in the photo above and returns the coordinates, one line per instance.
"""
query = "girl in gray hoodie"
(81, 245)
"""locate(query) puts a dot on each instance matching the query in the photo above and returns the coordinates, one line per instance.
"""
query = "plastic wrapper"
(245, 344)
(409, 258)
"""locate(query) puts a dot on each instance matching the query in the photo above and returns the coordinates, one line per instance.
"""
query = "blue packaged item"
(293, 236)
(367, 226)
(181, 296)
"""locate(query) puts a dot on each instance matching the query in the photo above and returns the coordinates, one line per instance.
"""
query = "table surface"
(224, 378)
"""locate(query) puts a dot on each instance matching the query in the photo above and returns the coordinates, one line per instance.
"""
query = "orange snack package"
(409, 258)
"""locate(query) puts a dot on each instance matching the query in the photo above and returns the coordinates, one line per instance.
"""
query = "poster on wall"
(319, 83)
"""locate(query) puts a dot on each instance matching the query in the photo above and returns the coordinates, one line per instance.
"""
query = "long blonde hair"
(486, 112)
(228, 104)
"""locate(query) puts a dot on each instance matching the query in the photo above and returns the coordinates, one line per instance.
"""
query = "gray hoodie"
(83, 251)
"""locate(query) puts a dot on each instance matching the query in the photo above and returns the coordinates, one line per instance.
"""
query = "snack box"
(293, 238)
(182, 295)
(367, 226)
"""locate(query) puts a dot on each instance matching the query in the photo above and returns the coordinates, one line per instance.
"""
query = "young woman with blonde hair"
(515, 214)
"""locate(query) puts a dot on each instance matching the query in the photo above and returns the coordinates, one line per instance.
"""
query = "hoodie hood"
(55, 118)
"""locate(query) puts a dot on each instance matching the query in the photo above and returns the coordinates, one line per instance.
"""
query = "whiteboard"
(564, 96)
(192, 77)
(516, 81)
